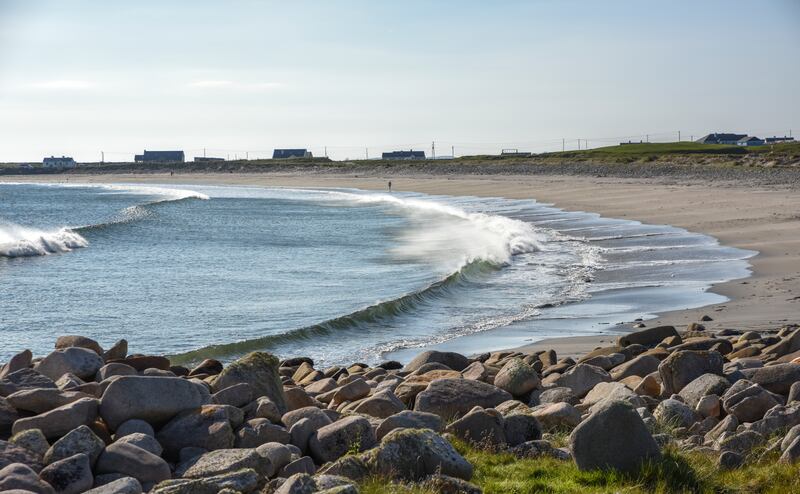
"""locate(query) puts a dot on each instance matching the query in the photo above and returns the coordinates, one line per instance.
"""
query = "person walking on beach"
(390, 185)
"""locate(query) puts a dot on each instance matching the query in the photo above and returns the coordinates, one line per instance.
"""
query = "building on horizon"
(404, 155)
(721, 138)
(62, 162)
(776, 140)
(204, 159)
(281, 154)
(160, 157)
(750, 141)
(515, 153)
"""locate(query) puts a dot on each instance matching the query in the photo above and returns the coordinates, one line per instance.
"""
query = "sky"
(239, 78)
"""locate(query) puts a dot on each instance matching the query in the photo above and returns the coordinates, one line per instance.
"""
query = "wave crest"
(20, 241)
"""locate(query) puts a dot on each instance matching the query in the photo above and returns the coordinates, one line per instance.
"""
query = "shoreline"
(748, 215)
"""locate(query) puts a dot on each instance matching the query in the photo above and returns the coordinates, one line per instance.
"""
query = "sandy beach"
(764, 218)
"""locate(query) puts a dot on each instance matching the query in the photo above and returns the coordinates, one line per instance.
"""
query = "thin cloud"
(63, 84)
(226, 84)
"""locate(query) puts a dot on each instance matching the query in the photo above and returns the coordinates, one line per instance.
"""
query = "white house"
(62, 162)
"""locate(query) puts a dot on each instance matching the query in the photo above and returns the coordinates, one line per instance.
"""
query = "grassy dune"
(677, 472)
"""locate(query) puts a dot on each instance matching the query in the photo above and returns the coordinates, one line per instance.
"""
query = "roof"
(749, 139)
(722, 136)
(289, 153)
(404, 154)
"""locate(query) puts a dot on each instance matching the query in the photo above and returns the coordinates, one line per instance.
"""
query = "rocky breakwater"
(84, 419)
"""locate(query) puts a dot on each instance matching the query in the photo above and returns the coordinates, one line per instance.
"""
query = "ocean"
(339, 275)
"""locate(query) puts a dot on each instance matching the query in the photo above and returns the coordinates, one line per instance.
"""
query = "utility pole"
(247, 155)
(204, 152)
(453, 151)
(102, 157)
(563, 144)
(433, 149)
(326, 151)
(579, 144)
(366, 152)
(679, 136)
(647, 138)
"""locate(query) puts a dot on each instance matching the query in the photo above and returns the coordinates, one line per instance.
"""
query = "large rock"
(226, 460)
(354, 390)
(381, 405)
(582, 378)
(144, 441)
(748, 403)
(453, 360)
(19, 361)
(260, 371)
(24, 379)
(674, 413)
(133, 461)
(243, 480)
(408, 419)
(12, 453)
(8, 415)
(82, 362)
(152, 399)
(21, 478)
(557, 416)
(482, 427)
(33, 440)
(78, 441)
(683, 367)
(43, 400)
(517, 377)
(707, 384)
(336, 439)
(71, 475)
(124, 485)
(647, 337)
(777, 378)
(614, 437)
(450, 398)
(638, 366)
(68, 341)
(256, 432)
(520, 427)
(61, 420)
(206, 427)
(413, 454)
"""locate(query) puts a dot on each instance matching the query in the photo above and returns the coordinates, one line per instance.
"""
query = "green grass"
(655, 149)
(677, 472)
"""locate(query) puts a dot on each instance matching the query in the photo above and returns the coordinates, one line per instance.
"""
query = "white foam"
(20, 241)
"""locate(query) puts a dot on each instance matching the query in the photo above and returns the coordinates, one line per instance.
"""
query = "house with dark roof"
(280, 154)
(776, 140)
(721, 138)
(160, 157)
(750, 141)
(404, 155)
(62, 162)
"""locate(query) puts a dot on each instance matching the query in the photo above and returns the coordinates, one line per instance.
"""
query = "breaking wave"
(23, 241)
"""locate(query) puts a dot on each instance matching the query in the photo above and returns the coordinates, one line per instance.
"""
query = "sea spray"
(20, 241)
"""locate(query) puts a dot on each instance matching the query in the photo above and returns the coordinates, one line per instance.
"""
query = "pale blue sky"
(78, 77)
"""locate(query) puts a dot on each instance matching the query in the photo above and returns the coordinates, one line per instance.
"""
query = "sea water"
(339, 275)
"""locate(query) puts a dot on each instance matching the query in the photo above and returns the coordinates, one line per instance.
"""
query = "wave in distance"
(22, 241)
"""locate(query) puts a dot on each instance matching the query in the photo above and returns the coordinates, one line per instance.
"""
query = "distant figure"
(390, 185)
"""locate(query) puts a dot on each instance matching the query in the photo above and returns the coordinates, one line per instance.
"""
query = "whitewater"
(335, 274)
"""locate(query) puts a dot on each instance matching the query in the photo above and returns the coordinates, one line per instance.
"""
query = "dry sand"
(744, 215)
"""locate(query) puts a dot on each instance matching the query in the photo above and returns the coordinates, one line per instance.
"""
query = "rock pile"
(82, 419)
